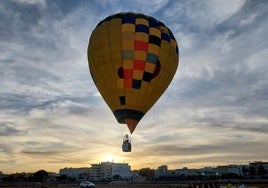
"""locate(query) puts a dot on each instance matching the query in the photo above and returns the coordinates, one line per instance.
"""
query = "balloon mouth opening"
(129, 117)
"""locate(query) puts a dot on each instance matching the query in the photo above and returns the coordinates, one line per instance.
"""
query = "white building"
(122, 170)
(231, 169)
(209, 171)
(109, 171)
(77, 173)
(161, 171)
(235, 169)
(188, 172)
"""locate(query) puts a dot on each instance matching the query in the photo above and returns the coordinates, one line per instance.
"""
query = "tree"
(244, 170)
(147, 172)
(40, 175)
(62, 177)
(261, 171)
(252, 171)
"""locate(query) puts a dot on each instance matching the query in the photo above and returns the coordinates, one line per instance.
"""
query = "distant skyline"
(214, 112)
(201, 167)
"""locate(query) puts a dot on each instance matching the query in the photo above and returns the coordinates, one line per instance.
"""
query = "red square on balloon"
(141, 45)
(139, 65)
(128, 73)
(128, 83)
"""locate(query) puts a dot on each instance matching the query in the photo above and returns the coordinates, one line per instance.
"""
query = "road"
(38, 185)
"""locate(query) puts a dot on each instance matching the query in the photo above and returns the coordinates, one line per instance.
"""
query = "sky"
(215, 111)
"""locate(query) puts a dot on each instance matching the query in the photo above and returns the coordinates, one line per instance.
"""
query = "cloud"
(8, 129)
(148, 7)
(46, 149)
(205, 15)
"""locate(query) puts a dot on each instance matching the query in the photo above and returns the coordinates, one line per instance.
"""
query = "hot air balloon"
(132, 59)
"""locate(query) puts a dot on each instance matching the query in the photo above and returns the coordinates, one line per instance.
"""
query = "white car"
(87, 184)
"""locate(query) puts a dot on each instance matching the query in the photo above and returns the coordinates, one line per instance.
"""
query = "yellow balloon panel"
(132, 60)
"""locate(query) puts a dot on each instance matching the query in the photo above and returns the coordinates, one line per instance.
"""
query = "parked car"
(87, 184)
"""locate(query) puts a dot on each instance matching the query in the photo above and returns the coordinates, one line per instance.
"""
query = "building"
(161, 171)
(235, 169)
(230, 169)
(259, 164)
(122, 170)
(209, 172)
(75, 173)
(187, 172)
(110, 171)
(103, 171)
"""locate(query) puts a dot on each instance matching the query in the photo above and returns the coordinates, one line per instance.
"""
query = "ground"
(38, 185)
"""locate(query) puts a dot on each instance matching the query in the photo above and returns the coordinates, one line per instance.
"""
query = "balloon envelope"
(132, 60)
